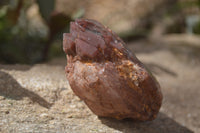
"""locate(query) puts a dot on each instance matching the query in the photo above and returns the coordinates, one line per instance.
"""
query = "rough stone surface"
(106, 76)
(178, 75)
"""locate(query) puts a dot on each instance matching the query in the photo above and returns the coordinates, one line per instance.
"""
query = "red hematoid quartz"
(108, 77)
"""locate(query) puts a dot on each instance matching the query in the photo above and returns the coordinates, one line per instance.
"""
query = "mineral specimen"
(106, 76)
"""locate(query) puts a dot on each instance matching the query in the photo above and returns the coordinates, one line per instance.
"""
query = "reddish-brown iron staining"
(109, 78)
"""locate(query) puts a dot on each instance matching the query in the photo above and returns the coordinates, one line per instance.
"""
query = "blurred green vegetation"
(21, 43)
(196, 28)
(180, 18)
(22, 40)
(16, 41)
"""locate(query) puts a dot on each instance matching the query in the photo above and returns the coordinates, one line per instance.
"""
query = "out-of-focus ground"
(38, 98)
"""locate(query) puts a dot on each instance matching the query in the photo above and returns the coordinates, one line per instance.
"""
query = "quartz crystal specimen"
(106, 76)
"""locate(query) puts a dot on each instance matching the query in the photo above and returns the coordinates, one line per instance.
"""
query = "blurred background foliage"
(31, 30)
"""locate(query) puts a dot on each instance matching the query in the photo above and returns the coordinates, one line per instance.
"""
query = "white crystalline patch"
(138, 74)
(101, 71)
(136, 82)
(136, 66)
